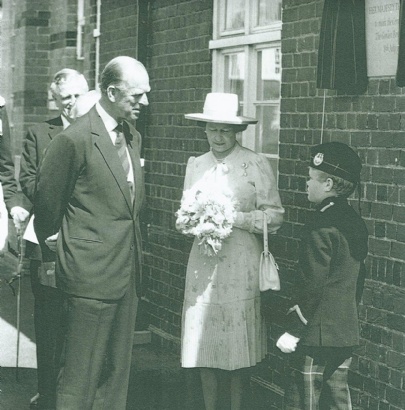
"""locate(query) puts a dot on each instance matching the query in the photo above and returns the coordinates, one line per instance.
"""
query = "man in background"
(66, 87)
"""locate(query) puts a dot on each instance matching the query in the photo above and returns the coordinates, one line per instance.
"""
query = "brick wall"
(26, 56)
(373, 124)
(179, 64)
(118, 29)
(38, 39)
(63, 36)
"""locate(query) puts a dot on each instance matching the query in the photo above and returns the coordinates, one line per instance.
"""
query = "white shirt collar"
(65, 121)
(109, 122)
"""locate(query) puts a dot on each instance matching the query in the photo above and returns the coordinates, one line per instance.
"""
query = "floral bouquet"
(208, 215)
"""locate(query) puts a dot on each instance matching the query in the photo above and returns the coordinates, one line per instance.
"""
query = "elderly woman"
(223, 332)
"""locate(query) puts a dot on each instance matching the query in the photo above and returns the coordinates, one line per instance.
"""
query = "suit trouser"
(97, 351)
(318, 380)
(47, 322)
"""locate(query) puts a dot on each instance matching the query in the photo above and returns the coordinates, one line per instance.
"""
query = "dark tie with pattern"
(121, 146)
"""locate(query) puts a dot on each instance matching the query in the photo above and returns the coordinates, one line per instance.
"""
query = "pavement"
(157, 381)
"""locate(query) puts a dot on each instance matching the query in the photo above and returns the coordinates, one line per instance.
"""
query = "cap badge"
(318, 159)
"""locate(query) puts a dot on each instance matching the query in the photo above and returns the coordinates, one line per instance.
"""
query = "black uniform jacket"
(331, 277)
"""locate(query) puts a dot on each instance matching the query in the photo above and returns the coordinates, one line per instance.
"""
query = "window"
(80, 29)
(247, 61)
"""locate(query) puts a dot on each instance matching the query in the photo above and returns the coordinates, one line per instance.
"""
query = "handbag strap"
(265, 235)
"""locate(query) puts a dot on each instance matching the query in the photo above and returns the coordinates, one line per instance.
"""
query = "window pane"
(235, 74)
(269, 74)
(268, 11)
(234, 14)
(267, 129)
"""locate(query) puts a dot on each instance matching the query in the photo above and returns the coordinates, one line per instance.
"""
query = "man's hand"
(51, 242)
(46, 274)
(287, 343)
(19, 216)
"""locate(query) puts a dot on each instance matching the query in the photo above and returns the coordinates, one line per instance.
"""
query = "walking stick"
(17, 277)
(19, 274)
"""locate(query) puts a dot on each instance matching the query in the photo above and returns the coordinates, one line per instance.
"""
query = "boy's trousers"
(318, 379)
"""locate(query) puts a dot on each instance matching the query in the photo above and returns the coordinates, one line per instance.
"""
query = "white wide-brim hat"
(221, 108)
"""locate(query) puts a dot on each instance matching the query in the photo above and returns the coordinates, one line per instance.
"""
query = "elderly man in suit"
(66, 87)
(90, 189)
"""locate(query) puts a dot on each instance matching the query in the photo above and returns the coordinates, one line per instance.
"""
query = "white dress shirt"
(110, 124)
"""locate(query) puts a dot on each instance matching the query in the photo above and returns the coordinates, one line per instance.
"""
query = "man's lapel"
(103, 142)
(55, 127)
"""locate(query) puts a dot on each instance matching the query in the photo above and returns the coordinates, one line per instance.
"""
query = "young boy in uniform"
(322, 323)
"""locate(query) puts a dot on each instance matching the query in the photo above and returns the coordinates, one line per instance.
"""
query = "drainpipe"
(141, 52)
(96, 35)
(80, 25)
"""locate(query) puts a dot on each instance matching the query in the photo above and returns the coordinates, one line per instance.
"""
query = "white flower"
(207, 214)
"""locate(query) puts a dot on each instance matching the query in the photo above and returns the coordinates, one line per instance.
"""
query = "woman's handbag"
(268, 269)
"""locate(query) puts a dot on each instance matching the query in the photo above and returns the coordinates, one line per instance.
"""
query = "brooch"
(244, 166)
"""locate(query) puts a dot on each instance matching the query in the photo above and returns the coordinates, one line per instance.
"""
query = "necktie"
(121, 147)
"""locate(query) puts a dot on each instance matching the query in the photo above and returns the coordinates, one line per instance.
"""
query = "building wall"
(63, 34)
(119, 20)
(25, 35)
(179, 65)
(38, 39)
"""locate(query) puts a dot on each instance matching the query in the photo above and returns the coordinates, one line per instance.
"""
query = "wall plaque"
(382, 33)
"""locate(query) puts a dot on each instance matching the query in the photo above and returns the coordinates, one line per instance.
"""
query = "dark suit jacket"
(7, 176)
(82, 191)
(36, 142)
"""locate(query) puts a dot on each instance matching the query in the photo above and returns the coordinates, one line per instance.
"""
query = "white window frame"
(250, 40)
(81, 21)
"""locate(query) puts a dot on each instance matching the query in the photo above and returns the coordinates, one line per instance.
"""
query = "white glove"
(287, 343)
(51, 242)
(19, 216)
